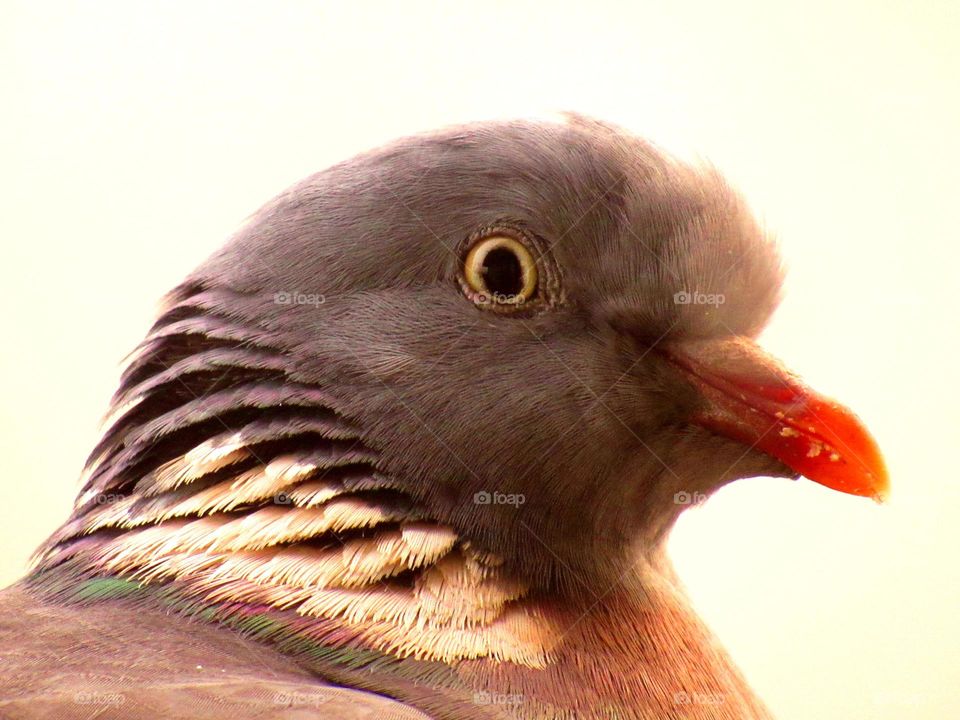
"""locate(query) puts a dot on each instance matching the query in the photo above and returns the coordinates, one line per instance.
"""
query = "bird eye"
(500, 271)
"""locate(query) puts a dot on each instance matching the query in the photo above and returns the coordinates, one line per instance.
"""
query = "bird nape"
(411, 443)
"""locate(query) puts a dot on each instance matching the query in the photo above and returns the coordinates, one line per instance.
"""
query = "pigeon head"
(430, 401)
(544, 331)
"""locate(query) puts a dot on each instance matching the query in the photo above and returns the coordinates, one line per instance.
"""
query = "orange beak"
(751, 398)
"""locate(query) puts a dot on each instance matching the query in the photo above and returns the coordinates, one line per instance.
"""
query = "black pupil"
(502, 272)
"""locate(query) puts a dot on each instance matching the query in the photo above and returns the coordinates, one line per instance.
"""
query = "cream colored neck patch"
(323, 550)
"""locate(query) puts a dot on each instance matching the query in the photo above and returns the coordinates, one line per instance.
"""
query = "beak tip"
(881, 491)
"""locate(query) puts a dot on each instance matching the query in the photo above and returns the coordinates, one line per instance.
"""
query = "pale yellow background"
(137, 136)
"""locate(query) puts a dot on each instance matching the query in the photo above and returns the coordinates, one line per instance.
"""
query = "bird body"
(413, 441)
(108, 660)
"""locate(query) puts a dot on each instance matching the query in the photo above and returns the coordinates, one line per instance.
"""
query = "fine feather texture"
(201, 672)
(324, 446)
(268, 514)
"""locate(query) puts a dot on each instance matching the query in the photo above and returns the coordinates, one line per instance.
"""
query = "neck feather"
(227, 490)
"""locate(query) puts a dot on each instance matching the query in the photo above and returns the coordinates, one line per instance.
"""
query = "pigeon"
(410, 445)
